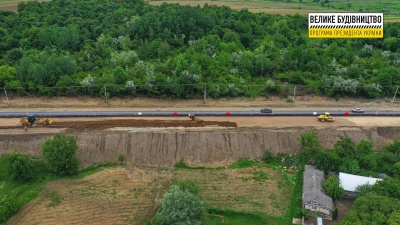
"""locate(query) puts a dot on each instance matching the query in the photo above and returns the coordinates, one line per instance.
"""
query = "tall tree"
(60, 155)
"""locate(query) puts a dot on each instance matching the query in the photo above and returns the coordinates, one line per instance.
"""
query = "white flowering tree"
(373, 90)
(88, 83)
(338, 85)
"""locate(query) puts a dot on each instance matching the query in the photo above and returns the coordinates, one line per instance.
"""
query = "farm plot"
(111, 196)
(246, 189)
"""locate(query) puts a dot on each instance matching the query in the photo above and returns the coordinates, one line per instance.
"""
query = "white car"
(357, 110)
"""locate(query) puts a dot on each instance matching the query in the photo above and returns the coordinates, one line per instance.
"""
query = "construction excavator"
(193, 117)
(326, 117)
(33, 121)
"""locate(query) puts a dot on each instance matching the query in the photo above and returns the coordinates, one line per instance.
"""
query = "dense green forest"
(129, 48)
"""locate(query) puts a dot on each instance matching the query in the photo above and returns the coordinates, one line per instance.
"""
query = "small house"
(314, 197)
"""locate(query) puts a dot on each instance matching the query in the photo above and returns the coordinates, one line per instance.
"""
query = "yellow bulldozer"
(192, 117)
(33, 121)
(326, 117)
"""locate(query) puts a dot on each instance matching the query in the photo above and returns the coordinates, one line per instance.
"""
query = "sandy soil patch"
(112, 196)
(375, 121)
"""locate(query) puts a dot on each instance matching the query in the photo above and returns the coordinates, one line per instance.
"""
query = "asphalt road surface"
(161, 113)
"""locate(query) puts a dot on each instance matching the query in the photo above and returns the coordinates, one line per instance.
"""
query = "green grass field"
(283, 205)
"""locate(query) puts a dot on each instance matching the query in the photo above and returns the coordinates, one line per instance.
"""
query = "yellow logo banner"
(345, 25)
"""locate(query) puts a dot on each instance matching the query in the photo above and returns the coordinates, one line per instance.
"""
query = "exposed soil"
(101, 124)
(11, 126)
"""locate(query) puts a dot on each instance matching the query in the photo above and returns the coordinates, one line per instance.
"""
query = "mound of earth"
(102, 124)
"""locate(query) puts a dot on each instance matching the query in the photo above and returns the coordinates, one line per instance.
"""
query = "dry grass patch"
(111, 196)
(246, 189)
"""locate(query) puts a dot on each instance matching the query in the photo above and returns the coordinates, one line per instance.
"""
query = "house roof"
(350, 182)
(312, 187)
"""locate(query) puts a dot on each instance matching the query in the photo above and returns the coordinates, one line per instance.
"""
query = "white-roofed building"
(350, 182)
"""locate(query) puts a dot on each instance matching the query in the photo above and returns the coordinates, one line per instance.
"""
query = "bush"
(310, 146)
(335, 214)
(180, 207)
(121, 158)
(8, 206)
(332, 187)
(20, 167)
(191, 185)
(268, 156)
(60, 155)
(181, 164)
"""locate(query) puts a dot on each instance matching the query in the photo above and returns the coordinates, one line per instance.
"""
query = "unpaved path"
(90, 104)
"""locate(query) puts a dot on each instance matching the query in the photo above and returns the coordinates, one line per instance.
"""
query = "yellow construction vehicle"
(193, 117)
(326, 117)
(33, 121)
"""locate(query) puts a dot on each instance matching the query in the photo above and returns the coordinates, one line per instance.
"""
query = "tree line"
(132, 48)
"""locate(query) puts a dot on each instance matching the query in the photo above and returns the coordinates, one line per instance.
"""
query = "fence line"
(188, 91)
(198, 84)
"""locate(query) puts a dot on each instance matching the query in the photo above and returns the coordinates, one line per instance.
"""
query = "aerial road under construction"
(171, 113)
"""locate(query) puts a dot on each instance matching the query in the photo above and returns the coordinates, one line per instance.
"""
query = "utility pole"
(395, 94)
(205, 93)
(8, 103)
(105, 94)
(294, 92)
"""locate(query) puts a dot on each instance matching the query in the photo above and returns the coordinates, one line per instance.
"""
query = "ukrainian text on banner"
(345, 25)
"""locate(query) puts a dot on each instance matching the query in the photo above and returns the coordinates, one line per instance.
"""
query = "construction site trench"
(164, 142)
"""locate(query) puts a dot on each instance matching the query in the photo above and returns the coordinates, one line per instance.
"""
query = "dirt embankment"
(198, 146)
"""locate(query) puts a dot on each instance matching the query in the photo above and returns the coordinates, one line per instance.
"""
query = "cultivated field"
(112, 196)
(128, 195)
(248, 189)
(302, 7)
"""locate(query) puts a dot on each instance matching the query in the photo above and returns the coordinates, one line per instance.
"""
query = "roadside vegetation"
(189, 50)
